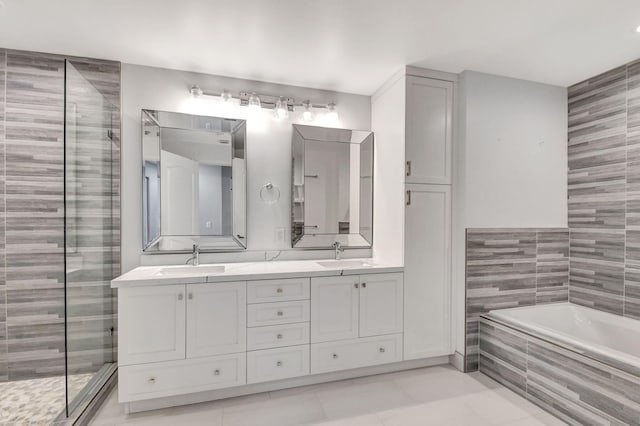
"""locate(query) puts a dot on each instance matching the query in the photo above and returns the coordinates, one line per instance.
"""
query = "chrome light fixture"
(254, 101)
(307, 115)
(282, 109)
(195, 91)
(332, 112)
(226, 96)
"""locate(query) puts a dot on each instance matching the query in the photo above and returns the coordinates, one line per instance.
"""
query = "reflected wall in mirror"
(193, 183)
(332, 187)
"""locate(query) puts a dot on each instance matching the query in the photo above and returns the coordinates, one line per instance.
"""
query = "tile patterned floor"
(428, 396)
(36, 402)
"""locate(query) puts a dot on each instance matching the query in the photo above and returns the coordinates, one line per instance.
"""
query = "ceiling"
(345, 45)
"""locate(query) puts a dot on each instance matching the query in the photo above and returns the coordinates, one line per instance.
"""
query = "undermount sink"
(343, 264)
(174, 271)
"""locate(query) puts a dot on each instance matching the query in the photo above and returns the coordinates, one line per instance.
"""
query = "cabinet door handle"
(408, 170)
(190, 296)
(216, 372)
(152, 380)
(408, 198)
(279, 336)
(280, 313)
(279, 364)
(180, 296)
(279, 290)
(334, 356)
(382, 350)
(356, 285)
(364, 285)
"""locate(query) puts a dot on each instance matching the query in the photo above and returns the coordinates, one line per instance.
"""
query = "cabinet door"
(428, 131)
(427, 272)
(334, 308)
(216, 318)
(151, 324)
(380, 304)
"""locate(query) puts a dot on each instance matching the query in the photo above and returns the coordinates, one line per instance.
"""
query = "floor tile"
(444, 412)
(441, 385)
(501, 406)
(368, 420)
(294, 410)
(362, 399)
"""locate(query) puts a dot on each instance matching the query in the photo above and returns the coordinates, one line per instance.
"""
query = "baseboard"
(457, 360)
(194, 398)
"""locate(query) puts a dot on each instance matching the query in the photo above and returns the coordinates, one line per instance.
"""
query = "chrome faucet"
(339, 249)
(195, 256)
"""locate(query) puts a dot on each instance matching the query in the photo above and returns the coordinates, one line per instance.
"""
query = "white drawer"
(145, 381)
(276, 364)
(278, 290)
(277, 313)
(355, 353)
(276, 336)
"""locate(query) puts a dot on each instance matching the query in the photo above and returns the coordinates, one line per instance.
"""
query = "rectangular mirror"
(332, 187)
(193, 182)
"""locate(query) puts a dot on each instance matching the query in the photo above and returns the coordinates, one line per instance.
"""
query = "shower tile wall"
(604, 191)
(32, 205)
(507, 268)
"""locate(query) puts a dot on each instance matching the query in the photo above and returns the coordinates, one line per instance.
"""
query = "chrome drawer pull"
(335, 356)
(382, 350)
(279, 290)
(356, 285)
(180, 296)
(216, 372)
(190, 296)
(279, 336)
(280, 313)
(152, 380)
(364, 285)
(279, 364)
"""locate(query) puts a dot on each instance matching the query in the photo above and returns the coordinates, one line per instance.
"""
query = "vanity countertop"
(218, 272)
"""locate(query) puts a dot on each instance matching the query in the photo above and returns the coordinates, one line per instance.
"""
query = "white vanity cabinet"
(179, 339)
(151, 324)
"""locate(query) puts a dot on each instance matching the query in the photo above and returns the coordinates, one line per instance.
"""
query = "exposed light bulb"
(638, 30)
(307, 115)
(195, 91)
(282, 109)
(254, 102)
(332, 113)
(225, 96)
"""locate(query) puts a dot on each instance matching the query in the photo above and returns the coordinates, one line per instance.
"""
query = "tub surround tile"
(507, 268)
(573, 387)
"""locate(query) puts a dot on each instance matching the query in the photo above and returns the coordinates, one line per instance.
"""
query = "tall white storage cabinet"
(421, 103)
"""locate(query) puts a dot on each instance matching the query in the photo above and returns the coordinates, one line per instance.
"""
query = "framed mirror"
(193, 182)
(332, 187)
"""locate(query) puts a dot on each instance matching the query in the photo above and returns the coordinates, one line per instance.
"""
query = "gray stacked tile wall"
(508, 268)
(604, 191)
(32, 337)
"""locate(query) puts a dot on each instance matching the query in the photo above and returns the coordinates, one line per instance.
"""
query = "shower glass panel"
(91, 240)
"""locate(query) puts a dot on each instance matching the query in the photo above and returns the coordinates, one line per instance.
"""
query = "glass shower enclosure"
(92, 236)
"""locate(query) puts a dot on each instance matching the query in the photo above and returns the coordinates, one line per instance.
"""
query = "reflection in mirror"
(193, 182)
(332, 187)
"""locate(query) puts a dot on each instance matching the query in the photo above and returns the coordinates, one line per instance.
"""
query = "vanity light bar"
(266, 101)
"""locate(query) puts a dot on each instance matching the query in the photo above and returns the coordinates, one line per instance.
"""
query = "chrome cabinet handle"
(279, 336)
(279, 364)
(364, 285)
(180, 296)
(280, 313)
(152, 380)
(408, 170)
(279, 290)
(408, 198)
(216, 372)
(356, 285)
(190, 296)
(382, 350)
(335, 356)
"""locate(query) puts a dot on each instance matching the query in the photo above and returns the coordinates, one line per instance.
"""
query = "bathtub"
(580, 364)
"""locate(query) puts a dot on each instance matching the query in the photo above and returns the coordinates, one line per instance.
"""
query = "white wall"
(388, 124)
(268, 154)
(510, 162)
